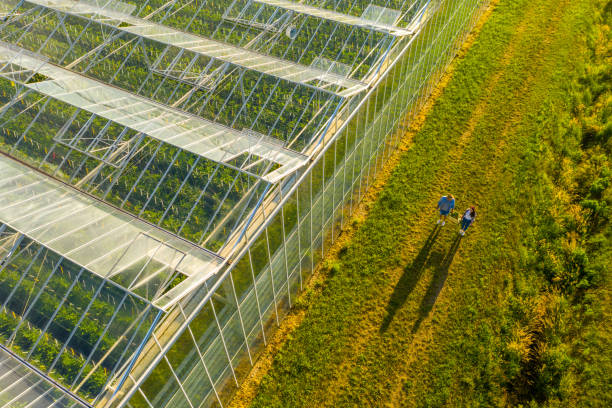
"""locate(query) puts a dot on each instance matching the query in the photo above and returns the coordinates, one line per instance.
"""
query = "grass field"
(517, 311)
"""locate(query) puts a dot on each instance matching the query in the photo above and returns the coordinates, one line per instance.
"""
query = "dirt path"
(368, 334)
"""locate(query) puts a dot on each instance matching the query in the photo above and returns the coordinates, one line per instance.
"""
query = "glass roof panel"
(213, 141)
(225, 52)
(7, 6)
(72, 318)
(335, 16)
(45, 210)
(22, 386)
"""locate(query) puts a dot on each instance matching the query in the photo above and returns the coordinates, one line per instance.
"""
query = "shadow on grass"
(437, 283)
(412, 274)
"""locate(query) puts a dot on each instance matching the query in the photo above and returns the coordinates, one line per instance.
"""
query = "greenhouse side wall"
(210, 359)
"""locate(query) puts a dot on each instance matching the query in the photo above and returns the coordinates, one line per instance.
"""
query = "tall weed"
(549, 350)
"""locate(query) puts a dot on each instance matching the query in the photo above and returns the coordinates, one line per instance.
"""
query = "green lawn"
(517, 312)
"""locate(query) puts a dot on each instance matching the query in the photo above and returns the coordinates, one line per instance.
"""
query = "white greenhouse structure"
(172, 171)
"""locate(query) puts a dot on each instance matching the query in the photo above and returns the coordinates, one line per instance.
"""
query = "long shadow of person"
(410, 277)
(437, 283)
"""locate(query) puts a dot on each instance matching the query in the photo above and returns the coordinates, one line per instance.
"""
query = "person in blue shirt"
(446, 204)
(469, 216)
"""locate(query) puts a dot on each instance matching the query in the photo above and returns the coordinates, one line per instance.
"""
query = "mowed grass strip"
(334, 323)
(446, 309)
(408, 316)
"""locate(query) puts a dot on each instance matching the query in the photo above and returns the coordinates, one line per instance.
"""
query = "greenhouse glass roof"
(286, 70)
(142, 145)
(189, 132)
(137, 256)
(22, 386)
(337, 17)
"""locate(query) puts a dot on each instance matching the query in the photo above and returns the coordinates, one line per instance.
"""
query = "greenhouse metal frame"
(172, 172)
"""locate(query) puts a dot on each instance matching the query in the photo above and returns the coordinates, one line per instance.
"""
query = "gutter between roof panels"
(45, 377)
(142, 345)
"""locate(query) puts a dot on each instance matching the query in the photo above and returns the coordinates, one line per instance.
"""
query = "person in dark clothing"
(469, 216)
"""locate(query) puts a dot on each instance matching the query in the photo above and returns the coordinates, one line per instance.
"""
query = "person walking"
(469, 216)
(446, 204)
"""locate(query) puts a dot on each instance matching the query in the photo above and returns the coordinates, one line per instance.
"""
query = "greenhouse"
(172, 172)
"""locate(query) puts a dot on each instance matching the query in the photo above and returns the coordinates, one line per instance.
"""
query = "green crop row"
(238, 99)
(22, 289)
(51, 318)
(69, 364)
(177, 201)
(358, 48)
